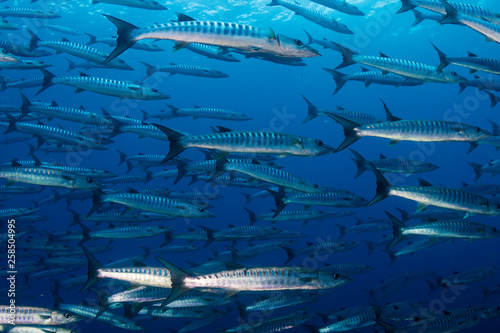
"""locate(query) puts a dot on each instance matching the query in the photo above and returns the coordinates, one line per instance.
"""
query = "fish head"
(454, 77)
(344, 28)
(230, 58)
(220, 74)
(295, 48)
(133, 326)
(474, 133)
(328, 280)
(123, 65)
(315, 147)
(87, 183)
(353, 10)
(62, 318)
(240, 116)
(156, 5)
(50, 14)
(153, 93)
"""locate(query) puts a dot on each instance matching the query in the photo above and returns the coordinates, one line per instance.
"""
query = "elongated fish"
(425, 194)
(385, 164)
(448, 229)
(313, 249)
(122, 89)
(144, 4)
(199, 112)
(369, 77)
(123, 232)
(189, 70)
(484, 27)
(27, 12)
(245, 142)
(342, 6)
(413, 247)
(294, 215)
(24, 64)
(410, 69)
(233, 35)
(493, 168)
(318, 14)
(37, 316)
(473, 62)
(412, 130)
(426, 15)
(209, 51)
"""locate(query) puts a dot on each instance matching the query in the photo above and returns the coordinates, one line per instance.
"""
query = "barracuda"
(414, 247)
(122, 89)
(123, 232)
(438, 7)
(253, 279)
(358, 117)
(411, 69)
(150, 203)
(198, 112)
(34, 329)
(318, 14)
(78, 50)
(445, 229)
(27, 12)
(189, 312)
(281, 301)
(190, 70)
(473, 62)
(37, 316)
(391, 165)
(140, 294)
(29, 83)
(484, 27)
(411, 130)
(426, 194)
(350, 323)
(432, 215)
(233, 35)
(293, 215)
(15, 212)
(369, 77)
(144, 4)
(46, 177)
(24, 64)
(209, 51)
(4, 25)
(341, 5)
(246, 142)
(320, 248)
(267, 174)
(467, 277)
(47, 133)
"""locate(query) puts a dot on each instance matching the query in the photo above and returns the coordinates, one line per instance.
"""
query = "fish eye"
(320, 143)
(154, 90)
(67, 315)
(315, 185)
(299, 43)
(90, 180)
(335, 276)
(454, 73)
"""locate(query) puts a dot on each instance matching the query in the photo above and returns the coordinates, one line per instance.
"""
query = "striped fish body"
(213, 52)
(341, 6)
(470, 276)
(453, 229)
(318, 14)
(452, 323)
(266, 278)
(487, 65)
(334, 199)
(36, 316)
(486, 28)
(258, 142)
(47, 177)
(230, 181)
(423, 131)
(106, 317)
(210, 114)
(357, 117)
(465, 8)
(140, 294)
(280, 324)
(243, 232)
(130, 232)
(28, 83)
(63, 29)
(16, 212)
(27, 12)
(4, 25)
(326, 247)
(350, 269)
(437, 214)
(483, 189)
(402, 165)
(36, 329)
(157, 204)
(126, 217)
(410, 69)
(24, 64)
(274, 176)
(447, 198)
(189, 312)
(199, 300)
(232, 35)
(22, 51)
(294, 215)
(145, 276)
(144, 4)
(281, 301)
(189, 70)
(255, 250)
(389, 79)
(418, 246)
(145, 131)
(351, 323)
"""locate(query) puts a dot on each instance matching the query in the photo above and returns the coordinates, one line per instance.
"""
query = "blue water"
(267, 91)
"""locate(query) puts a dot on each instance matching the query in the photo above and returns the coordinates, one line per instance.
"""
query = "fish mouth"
(325, 150)
(311, 52)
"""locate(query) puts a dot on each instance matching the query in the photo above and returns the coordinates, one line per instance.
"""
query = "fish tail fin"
(371, 246)
(443, 58)
(123, 157)
(145, 115)
(71, 65)
(486, 292)
(47, 80)
(451, 16)
(76, 216)
(339, 79)
(278, 199)
(342, 230)
(383, 187)
(248, 198)
(477, 169)
(462, 87)
(57, 299)
(404, 215)
(418, 17)
(101, 300)
(93, 266)
(312, 111)
(149, 175)
(219, 169)
(495, 129)
(392, 256)
(397, 227)
(173, 111)
(177, 277)
(360, 161)
(289, 253)
(124, 40)
(181, 170)
(33, 41)
(350, 134)
(25, 107)
(406, 5)
(252, 216)
(346, 56)
(388, 328)
(493, 99)
(309, 38)
(97, 201)
(12, 124)
(92, 40)
(175, 138)
(85, 234)
(150, 70)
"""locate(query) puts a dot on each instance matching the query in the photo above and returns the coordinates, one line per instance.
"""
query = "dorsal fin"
(54, 103)
(382, 157)
(422, 182)
(388, 113)
(83, 74)
(183, 17)
(65, 40)
(472, 55)
(383, 55)
(364, 69)
(223, 129)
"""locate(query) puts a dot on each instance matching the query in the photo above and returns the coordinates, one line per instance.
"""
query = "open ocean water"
(272, 95)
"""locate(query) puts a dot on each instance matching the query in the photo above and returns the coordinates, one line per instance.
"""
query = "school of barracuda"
(130, 292)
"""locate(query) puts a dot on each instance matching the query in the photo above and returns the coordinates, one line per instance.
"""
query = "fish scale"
(145, 276)
(458, 228)
(36, 316)
(351, 323)
(140, 294)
